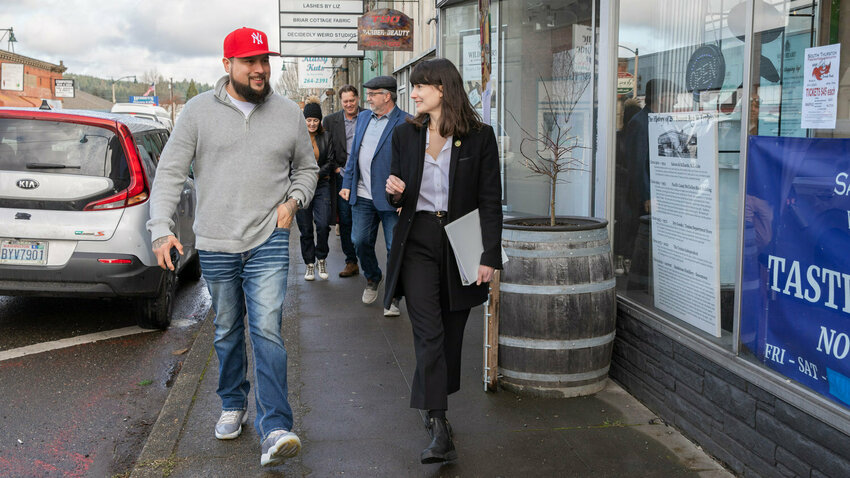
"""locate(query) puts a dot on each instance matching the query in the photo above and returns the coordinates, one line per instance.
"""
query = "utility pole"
(171, 89)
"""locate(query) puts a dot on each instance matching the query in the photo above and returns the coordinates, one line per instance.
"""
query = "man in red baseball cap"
(246, 60)
(254, 167)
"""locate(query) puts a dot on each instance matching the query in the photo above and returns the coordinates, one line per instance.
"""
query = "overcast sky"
(114, 38)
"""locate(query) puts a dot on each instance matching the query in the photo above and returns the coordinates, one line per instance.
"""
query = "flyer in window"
(820, 87)
(683, 188)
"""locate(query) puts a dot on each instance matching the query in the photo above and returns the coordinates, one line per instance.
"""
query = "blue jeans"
(318, 211)
(257, 278)
(364, 232)
(344, 212)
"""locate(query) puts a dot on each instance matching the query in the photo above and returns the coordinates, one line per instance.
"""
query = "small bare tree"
(549, 148)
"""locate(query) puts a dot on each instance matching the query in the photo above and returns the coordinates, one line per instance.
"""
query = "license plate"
(30, 253)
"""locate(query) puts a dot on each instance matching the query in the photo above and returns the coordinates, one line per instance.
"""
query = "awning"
(19, 101)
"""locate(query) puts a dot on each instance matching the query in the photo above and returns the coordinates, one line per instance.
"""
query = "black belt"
(434, 213)
(439, 216)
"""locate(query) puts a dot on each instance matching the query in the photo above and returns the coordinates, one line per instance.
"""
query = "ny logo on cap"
(257, 37)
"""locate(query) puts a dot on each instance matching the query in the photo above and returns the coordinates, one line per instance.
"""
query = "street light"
(119, 79)
(11, 33)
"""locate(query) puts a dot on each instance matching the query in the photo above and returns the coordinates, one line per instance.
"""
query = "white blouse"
(434, 190)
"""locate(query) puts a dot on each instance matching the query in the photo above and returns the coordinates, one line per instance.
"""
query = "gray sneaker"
(278, 446)
(230, 423)
(370, 293)
(393, 310)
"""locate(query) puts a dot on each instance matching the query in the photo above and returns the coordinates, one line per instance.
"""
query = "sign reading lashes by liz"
(685, 246)
(795, 288)
(820, 86)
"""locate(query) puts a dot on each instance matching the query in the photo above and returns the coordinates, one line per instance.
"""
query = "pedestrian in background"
(366, 174)
(445, 165)
(314, 247)
(253, 168)
(341, 127)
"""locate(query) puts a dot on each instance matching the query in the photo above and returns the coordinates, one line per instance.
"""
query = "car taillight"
(115, 261)
(137, 191)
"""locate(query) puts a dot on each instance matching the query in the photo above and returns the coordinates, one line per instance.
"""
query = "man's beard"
(251, 95)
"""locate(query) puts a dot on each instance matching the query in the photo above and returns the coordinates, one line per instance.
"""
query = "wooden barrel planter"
(558, 307)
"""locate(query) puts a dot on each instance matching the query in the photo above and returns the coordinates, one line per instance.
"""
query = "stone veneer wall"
(752, 431)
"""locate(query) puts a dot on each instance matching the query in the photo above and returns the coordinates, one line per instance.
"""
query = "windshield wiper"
(49, 166)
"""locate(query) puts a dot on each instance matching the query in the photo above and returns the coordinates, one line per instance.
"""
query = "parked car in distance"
(156, 113)
(74, 189)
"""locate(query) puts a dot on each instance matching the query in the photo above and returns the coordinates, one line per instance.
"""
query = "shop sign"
(385, 29)
(145, 100)
(322, 6)
(315, 72)
(319, 28)
(12, 76)
(625, 83)
(795, 285)
(820, 86)
(683, 171)
(63, 88)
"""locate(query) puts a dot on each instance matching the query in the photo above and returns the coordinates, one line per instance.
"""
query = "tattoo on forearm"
(160, 242)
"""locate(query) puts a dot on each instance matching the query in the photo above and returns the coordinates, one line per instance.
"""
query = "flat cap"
(381, 83)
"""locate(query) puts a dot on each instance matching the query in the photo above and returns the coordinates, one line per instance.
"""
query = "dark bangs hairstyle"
(458, 118)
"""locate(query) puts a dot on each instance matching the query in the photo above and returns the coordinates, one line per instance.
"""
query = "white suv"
(74, 188)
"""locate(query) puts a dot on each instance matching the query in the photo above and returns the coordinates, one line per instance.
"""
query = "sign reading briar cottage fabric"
(795, 297)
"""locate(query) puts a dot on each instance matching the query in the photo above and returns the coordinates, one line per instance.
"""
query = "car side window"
(152, 148)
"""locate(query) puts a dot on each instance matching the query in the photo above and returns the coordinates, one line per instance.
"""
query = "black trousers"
(437, 331)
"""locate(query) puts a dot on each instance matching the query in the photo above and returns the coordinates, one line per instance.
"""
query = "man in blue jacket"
(366, 173)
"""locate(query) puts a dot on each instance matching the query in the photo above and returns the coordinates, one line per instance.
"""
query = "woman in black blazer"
(445, 164)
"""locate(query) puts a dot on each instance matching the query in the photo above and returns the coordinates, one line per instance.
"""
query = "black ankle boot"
(442, 448)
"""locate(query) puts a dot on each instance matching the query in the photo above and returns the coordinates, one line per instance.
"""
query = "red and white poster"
(820, 87)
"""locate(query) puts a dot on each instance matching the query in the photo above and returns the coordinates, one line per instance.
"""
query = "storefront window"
(677, 158)
(542, 81)
(795, 289)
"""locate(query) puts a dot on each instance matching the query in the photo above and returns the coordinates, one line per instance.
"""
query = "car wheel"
(155, 312)
(192, 271)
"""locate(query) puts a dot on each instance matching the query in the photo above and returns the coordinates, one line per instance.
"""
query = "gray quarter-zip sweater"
(243, 168)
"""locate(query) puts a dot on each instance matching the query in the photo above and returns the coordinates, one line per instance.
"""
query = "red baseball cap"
(245, 42)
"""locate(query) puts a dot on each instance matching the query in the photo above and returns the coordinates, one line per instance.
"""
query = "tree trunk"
(552, 200)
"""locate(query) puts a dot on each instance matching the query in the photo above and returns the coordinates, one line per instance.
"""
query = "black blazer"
(474, 182)
(334, 123)
(327, 165)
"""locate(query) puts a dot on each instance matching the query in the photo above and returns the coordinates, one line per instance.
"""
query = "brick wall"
(747, 428)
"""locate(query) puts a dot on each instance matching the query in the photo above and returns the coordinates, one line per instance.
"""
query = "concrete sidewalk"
(349, 375)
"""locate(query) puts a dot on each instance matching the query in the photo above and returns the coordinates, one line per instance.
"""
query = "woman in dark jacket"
(315, 249)
(445, 165)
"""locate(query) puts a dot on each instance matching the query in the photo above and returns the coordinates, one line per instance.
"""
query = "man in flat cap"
(366, 173)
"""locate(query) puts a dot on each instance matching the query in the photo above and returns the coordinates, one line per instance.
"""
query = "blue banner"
(145, 100)
(795, 290)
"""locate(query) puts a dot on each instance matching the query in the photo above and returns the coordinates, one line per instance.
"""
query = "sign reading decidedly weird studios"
(385, 29)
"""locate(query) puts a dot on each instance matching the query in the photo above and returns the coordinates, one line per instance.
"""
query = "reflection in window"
(677, 156)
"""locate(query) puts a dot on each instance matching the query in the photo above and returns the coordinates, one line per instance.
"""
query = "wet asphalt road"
(87, 409)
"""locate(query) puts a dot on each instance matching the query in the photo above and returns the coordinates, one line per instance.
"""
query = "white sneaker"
(310, 275)
(323, 269)
(370, 293)
(278, 446)
(393, 310)
(230, 423)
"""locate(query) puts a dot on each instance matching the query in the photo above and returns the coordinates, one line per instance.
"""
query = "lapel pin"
(457, 143)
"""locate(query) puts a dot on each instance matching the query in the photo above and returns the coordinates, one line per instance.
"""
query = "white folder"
(464, 236)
